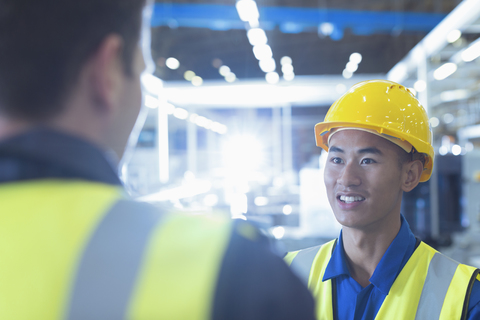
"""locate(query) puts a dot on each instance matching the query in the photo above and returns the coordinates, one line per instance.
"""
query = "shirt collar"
(392, 262)
(43, 153)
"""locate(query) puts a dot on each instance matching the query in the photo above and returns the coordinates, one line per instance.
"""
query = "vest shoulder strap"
(110, 262)
(302, 263)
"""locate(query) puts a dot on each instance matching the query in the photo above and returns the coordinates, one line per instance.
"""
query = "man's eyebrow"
(335, 149)
(370, 150)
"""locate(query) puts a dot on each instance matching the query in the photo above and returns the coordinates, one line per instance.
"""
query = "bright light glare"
(443, 150)
(151, 83)
(278, 232)
(201, 121)
(256, 36)
(197, 81)
(224, 70)
(243, 153)
(210, 200)
(272, 77)
(262, 52)
(219, 128)
(247, 10)
(341, 88)
(445, 70)
(287, 69)
(193, 117)
(472, 52)
(180, 113)
(285, 60)
(254, 23)
(151, 102)
(454, 35)
(434, 121)
(355, 58)
(289, 76)
(287, 209)
(456, 150)
(420, 85)
(231, 77)
(453, 95)
(189, 176)
(448, 118)
(326, 28)
(347, 74)
(267, 65)
(172, 63)
(167, 107)
(413, 91)
(238, 204)
(188, 75)
(351, 67)
(261, 201)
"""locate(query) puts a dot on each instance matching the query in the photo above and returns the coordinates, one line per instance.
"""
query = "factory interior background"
(227, 125)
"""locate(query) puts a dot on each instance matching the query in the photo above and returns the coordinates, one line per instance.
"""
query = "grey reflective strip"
(108, 268)
(440, 274)
(302, 263)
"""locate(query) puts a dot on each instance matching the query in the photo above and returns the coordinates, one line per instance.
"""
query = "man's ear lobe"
(105, 74)
(413, 171)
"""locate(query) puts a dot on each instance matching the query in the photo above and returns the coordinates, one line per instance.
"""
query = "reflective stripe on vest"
(430, 286)
(440, 274)
(103, 290)
(52, 230)
(303, 261)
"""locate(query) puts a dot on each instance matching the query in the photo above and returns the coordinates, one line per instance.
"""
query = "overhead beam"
(293, 19)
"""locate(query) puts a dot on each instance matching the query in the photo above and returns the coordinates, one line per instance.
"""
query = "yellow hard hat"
(386, 107)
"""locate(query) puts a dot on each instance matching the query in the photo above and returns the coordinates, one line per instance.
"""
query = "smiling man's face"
(363, 179)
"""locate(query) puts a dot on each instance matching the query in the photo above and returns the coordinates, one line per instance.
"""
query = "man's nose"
(350, 175)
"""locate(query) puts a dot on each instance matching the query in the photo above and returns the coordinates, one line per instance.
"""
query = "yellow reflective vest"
(430, 285)
(81, 250)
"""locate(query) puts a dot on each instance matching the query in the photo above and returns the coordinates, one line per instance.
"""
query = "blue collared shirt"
(358, 303)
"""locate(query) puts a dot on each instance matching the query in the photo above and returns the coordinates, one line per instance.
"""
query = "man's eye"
(337, 160)
(368, 161)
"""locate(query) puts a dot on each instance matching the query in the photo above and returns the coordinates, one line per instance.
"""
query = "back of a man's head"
(45, 43)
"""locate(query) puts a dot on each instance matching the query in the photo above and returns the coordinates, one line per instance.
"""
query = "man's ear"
(413, 170)
(106, 72)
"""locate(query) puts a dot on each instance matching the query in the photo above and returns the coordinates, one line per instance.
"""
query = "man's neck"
(365, 249)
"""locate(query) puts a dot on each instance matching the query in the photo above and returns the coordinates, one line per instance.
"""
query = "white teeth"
(348, 199)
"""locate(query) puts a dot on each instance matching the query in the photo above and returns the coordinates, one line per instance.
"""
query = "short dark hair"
(405, 157)
(45, 43)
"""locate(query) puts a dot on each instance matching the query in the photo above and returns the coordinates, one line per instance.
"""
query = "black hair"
(45, 43)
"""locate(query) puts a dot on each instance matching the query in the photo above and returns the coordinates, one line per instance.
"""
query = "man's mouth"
(351, 199)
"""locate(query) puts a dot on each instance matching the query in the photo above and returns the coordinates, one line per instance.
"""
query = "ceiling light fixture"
(356, 58)
(445, 71)
(285, 60)
(472, 52)
(197, 81)
(256, 36)
(267, 65)
(262, 52)
(188, 75)
(224, 70)
(247, 10)
(272, 77)
(454, 35)
(347, 74)
(172, 63)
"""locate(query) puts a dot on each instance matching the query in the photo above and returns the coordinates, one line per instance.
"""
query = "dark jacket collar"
(43, 153)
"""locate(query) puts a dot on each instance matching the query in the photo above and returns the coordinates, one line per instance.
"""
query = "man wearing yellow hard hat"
(379, 145)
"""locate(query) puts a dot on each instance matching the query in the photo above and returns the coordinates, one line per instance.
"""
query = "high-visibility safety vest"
(430, 285)
(80, 250)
